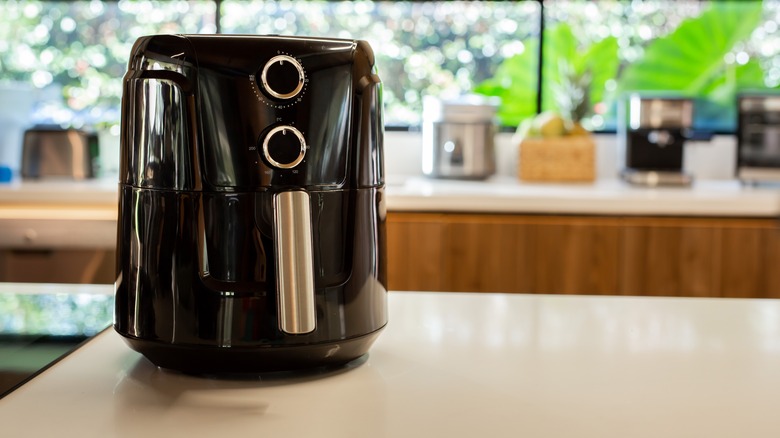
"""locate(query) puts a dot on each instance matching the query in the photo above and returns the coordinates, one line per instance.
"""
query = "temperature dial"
(284, 147)
(283, 77)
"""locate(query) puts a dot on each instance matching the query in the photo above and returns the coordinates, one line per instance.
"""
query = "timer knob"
(284, 147)
(283, 77)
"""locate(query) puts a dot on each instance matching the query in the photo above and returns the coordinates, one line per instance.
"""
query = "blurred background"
(61, 64)
(60, 60)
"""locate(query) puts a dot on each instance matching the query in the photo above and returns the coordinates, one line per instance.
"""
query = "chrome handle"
(294, 262)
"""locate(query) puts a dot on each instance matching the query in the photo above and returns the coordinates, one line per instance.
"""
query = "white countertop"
(58, 214)
(504, 194)
(48, 214)
(62, 214)
(714, 192)
(60, 191)
(454, 365)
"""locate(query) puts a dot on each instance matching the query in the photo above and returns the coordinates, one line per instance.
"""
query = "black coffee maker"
(251, 232)
(758, 136)
(652, 131)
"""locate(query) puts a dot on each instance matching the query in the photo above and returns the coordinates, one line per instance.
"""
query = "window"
(422, 48)
(72, 53)
(705, 50)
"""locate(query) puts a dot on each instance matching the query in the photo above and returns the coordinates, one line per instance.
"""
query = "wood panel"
(578, 257)
(584, 255)
(670, 257)
(414, 252)
(750, 261)
(498, 253)
(59, 266)
(483, 254)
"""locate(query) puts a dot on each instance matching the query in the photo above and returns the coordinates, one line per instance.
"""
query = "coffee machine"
(251, 231)
(758, 137)
(652, 131)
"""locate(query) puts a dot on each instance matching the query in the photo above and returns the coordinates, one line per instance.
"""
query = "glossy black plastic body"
(643, 154)
(196, 285)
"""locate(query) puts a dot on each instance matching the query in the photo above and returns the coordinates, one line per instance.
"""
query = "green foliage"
(574, 76)
(690, 60)
(81, 47)
(515, 83)
(433, 48)
(50, 314)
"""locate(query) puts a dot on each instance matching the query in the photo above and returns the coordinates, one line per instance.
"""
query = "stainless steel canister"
(458, 137)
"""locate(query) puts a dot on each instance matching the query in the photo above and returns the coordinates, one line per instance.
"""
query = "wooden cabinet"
(500, 253)
(415, 246)
(88, 266)
(584, 254)
(750, 260)
(669, 257)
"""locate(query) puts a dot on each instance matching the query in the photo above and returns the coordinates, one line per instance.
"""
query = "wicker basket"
(561, 159)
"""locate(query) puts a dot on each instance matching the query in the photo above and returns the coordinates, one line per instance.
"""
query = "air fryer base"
(251, 360)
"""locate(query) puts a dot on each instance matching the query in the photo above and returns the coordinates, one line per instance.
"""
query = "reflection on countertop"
(456, 365)
(41, 324)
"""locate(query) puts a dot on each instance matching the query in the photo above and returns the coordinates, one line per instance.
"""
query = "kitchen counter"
(58, 214)
(499, 194)
(83, 215)
(101, 192)
(502, 194)
(454, 365)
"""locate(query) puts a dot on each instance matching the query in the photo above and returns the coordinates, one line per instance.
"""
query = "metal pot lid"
(468, 108)
(660, 111)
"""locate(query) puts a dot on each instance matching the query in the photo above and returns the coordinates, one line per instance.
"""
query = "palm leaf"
(515, 83)
(690, 58)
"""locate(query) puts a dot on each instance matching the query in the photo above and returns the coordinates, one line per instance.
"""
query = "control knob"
(284, 147)
(282, 77)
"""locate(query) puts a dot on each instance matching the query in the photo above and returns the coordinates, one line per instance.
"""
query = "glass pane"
(61, 62)
(422, 48)
(596, 52)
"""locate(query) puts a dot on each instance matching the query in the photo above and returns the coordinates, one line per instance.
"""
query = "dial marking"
(253, 79)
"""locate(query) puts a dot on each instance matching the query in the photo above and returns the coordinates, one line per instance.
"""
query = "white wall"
(704, 160)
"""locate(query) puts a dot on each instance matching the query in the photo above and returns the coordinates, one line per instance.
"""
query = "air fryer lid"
(229, 99)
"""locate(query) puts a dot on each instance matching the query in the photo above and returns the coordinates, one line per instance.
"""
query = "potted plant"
(554, 145)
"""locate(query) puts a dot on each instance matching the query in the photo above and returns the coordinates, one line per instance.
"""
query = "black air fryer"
(251, 231)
